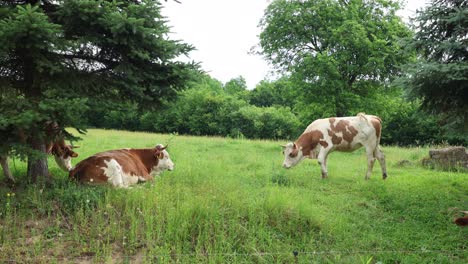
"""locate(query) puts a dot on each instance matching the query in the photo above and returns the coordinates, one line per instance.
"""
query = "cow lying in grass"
(123, 167)
(324, 136)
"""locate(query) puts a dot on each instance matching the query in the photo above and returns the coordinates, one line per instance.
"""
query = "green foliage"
(270, 93)
(266, 122)
(209, 110)
(409, 126)
(236, 85)
(336, 51)
(439, 76)
(199, 111)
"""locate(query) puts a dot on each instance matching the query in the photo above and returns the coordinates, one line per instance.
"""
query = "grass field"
(229, 201)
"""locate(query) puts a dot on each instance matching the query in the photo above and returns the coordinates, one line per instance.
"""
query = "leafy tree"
(236, 85)
(440, 76)
(56, 57)
(337, 51)
(269, 93)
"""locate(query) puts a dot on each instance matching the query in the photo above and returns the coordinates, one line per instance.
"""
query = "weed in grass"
(280, 178)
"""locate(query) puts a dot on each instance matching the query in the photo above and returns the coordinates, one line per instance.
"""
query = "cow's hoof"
(384, 176)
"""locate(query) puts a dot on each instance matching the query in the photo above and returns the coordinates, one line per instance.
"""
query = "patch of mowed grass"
(229, 200)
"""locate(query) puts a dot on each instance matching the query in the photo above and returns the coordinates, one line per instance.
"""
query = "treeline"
(336, 58)
(270, 111)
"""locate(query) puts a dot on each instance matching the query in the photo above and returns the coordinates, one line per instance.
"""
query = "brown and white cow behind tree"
(55, 145)
(123, 167)
(324, 136)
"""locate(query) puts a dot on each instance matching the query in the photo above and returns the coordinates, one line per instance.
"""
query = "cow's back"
(348, 133)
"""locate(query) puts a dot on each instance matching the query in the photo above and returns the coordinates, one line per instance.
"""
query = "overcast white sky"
(223, 32)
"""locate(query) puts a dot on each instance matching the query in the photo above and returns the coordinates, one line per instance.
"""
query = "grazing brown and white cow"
(56, 146)
(123, 167)
(347, 134)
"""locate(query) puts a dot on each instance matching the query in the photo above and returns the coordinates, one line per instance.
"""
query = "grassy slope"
(230, 201)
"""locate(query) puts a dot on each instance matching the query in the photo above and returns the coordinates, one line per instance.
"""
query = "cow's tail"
(365, 117)
(362, 116)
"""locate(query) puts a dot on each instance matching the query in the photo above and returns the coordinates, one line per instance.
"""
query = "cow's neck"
(147, 158)
(308, 141)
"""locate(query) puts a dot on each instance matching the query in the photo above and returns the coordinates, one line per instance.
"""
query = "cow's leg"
(381, 157)
(322, 160)
(6, 168)
(370, 161)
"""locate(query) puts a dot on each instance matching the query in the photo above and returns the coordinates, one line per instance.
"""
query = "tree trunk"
(6, 168)
(37, 165)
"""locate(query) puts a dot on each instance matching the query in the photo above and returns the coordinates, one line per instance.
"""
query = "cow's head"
(292, 155)
(164, 160)
(63, 154)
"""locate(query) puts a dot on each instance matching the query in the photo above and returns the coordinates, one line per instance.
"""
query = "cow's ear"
(161, 156)
(74, 154)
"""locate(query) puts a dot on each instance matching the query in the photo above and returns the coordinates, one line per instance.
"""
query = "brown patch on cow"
(323, 143)
(340, 126)
(461, 221)
(60, 149)
(377, 126)
(294, 152)
(335, 139)
(350, 134)
(343, 126)
(309, 140)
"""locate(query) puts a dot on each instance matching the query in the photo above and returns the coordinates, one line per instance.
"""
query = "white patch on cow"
(291, 161)
(163, 164)
(64, 163)
(116, 176)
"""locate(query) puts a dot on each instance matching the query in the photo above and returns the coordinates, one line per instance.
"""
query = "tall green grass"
(229, 201)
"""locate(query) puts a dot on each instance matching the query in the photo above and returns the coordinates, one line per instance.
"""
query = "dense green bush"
(197, 112)
(206, 111)
(409, 126)
(266, 122)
